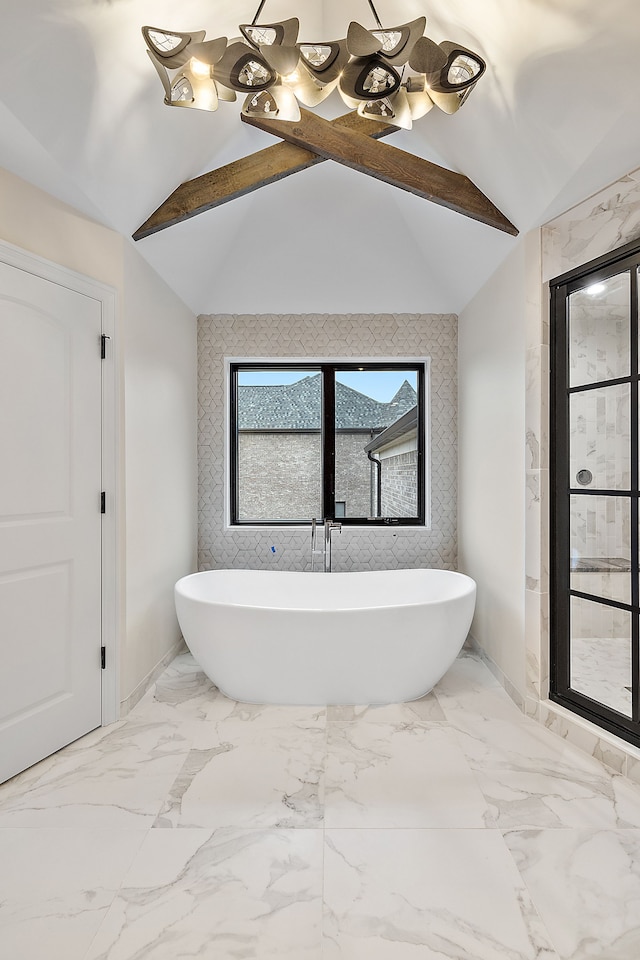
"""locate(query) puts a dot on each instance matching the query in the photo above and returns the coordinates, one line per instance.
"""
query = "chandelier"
(392, 74)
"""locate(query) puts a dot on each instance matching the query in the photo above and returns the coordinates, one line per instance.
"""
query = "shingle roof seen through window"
(296, 406)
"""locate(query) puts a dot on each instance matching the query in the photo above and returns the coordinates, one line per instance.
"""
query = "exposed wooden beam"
(250, 173)
(384, 162)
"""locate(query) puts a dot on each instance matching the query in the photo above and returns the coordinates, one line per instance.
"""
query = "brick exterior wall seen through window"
(280, 475)
(399, 485)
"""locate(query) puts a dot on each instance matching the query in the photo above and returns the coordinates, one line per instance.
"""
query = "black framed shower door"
(594, 478)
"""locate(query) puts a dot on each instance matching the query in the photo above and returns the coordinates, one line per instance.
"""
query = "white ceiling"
(556, 117)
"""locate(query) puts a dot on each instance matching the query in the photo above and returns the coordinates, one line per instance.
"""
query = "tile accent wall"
(308, 336)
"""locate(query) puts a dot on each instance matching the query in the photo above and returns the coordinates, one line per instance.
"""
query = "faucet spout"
(315, 549)
(329, 527)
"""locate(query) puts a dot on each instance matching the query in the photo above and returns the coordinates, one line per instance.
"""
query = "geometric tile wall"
(328, 336)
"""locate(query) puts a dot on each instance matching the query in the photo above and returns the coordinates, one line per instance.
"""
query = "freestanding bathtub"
(279, 637)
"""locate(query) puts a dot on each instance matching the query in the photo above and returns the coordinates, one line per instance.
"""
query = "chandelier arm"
(258, 12)
(375, 13)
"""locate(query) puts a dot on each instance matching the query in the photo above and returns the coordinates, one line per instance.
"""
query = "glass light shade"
(278, 102)
(284, 33)
(395, 109)
(398, 42)
(324, 61)
(460, 70)
(317, 55)
(170, 47)
(463, 67)
(254, 74)
(388, 38)
(376, 109)
(181, 91)
(244, 69)
(165, 42)
(368, 78)
(185, 87)
(260, 36)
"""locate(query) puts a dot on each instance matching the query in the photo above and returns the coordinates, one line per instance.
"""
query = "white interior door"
(50, 519)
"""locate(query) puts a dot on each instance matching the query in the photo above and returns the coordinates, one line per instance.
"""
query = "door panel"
(36, 604)
(50, 521)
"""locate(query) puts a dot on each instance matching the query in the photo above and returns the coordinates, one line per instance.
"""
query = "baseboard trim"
(136, 695)
(473, 645)
(619, 756)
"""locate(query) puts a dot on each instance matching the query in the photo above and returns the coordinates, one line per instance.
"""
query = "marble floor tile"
(532, 778)
(455, 827)
(118, 778)
(427, 708)
(427, 895)
(184, 692)
(469, 692)
(242, 774)
(585, 885)
(399, 775)
(56, 886)
(223, 708)
(223, 896)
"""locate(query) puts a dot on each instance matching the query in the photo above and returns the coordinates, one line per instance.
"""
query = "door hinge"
(103, 345)
(103, 657)
(103, 502)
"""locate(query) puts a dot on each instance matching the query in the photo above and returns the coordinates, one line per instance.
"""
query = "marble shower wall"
(310, 336)
(597, 226)
(600, 435)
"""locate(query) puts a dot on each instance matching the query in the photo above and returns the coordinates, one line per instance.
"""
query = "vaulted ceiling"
(556, 117)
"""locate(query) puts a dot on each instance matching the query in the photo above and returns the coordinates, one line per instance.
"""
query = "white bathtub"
(267, 636)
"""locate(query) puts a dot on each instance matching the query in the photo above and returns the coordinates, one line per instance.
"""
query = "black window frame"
(328, 432)
(625, 258)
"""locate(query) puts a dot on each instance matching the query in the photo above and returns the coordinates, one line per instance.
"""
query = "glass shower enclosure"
(595, 611)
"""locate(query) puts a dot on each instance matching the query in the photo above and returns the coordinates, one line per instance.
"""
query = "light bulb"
(595, 289)
(292, 77)
(199, 69)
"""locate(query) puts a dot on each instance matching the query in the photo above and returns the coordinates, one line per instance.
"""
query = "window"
(327, 440)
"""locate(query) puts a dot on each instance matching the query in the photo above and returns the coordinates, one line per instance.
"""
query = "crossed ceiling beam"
(351, 140)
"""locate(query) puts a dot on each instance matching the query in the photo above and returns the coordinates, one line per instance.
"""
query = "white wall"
(156, 351)
(491, 494)
(160, 361)
(35, 221)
